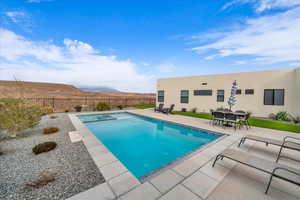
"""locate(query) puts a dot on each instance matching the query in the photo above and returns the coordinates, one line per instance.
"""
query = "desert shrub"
(50, 130)
(194, 110)
(102, 106)
(120, 107)
(78, 108)
(282, 116)
(272, 116)
(220, 108)
(47, 110)
(44, 147)
(43, 179)
(17, 115)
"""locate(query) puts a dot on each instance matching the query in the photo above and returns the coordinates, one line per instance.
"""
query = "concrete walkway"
(192, 177)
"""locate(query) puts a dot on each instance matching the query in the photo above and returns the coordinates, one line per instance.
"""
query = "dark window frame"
(249, 91)
(203, 92)
(238, 92)
(220, 97)
(184, 98)
(160, 98)
(271, 100)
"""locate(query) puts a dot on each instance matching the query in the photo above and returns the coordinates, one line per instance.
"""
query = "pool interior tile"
(166, 180)
(123, 183)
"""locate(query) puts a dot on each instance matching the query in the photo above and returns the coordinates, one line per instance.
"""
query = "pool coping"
(114, 172)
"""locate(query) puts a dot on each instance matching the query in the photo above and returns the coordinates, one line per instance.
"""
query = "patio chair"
(218, 117)
(159, 108)
(276, 170)
(231, 118)
(212, 116)
(168, 110)
(245, 121)
(288, 142)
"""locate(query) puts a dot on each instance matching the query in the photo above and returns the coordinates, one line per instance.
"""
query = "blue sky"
(127, 45)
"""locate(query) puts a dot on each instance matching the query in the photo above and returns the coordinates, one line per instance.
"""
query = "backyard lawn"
(144, 106)
(277, 125)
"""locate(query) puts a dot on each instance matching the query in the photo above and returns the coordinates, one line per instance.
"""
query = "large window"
(160, 96)
(274, 97)
(249, 91)
(220, 96)
(184, 96)
(238, 91)
(202, 92)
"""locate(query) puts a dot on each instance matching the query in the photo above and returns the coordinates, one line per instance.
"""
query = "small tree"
(232, 98)
(17, 115)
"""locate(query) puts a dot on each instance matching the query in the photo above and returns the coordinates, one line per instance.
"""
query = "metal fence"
(64, 104)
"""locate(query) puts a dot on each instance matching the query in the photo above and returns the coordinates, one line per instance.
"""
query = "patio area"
(193, 176)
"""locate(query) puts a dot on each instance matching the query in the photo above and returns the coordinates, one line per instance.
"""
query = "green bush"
(194, 110)
(78, 108)
(272, 116)
(44, 147)
(282, 116)
(220, 108)
(50, 130)
(296, 119)
(102, 106)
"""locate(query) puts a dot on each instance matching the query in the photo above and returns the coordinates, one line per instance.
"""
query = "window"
(160, 96)
(184, 96)
(202, 92)
(274, 97)
(220, 96)
(238, 92)
(249, 91)
(204, 83)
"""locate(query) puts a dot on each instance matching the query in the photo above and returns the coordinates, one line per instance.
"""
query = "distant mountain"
(99, 89)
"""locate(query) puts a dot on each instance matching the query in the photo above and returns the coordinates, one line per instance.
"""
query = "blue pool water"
(144, 144)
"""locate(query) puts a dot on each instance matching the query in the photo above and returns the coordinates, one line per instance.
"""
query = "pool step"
(75, 136)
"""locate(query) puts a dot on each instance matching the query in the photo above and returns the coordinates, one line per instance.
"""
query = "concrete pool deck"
(191, 177)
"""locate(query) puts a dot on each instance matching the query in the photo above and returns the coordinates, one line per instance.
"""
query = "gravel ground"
(74, 168)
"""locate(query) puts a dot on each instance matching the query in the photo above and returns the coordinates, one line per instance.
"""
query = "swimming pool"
(144, 144)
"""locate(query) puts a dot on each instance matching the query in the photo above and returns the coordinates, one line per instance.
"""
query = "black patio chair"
(245, 121)
(218, 118)
(168, 110)
(159, 108)
(231, 118)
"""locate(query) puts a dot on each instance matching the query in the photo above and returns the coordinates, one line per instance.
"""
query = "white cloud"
(272, 38)
(15, 16)
(296, 64)
(72, 62)
(263, 5)
(37, 1)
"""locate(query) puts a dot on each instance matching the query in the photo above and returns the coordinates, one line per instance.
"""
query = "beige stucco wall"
(297, 92)
(277, 79)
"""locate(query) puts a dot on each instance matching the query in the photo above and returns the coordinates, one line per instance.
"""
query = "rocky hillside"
(34, 89)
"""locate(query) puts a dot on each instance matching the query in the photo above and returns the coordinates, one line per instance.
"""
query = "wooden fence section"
(63, 104)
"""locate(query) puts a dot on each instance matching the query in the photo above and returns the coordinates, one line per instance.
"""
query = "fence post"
(53, 105)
